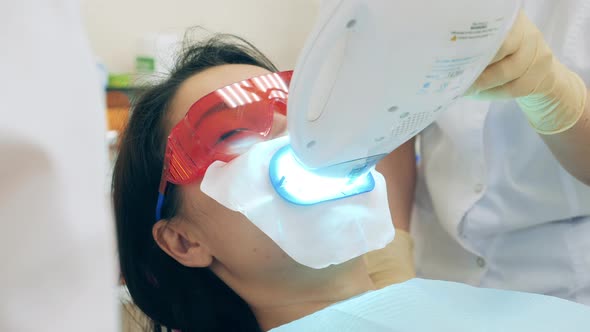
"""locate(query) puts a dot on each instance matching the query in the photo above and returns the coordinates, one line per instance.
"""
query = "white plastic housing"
(374, 73)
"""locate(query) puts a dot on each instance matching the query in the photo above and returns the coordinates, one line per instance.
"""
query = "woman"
(199, 266)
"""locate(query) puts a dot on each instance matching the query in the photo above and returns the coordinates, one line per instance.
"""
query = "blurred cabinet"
(118, 105)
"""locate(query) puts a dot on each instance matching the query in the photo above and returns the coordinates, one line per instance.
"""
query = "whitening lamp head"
(301, 185)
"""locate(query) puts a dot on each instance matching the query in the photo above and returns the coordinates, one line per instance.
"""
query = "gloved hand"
(394, 263)
(552, 97)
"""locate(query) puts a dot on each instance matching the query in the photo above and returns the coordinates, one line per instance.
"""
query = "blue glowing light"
(298, 185)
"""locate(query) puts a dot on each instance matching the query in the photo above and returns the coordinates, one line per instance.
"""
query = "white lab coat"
(57, 242)
(493, 206)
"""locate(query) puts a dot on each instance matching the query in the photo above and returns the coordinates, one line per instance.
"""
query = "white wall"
(277, 27)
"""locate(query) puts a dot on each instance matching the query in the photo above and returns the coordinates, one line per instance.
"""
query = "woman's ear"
(175, 240)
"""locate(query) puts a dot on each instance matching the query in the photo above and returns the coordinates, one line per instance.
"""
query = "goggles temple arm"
(159, 206)
(161, 193)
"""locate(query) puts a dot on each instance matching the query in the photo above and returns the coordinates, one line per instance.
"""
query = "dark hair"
(178, 297)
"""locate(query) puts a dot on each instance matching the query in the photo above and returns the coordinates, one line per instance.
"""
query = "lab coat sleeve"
(57, 242)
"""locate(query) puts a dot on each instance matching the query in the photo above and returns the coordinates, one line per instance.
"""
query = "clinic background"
(123, 33)
(116, 28)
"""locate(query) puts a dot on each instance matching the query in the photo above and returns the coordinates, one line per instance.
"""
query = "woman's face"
(205, 233)
(229, 236)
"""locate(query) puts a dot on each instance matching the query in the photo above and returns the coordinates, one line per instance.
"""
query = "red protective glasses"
(221, 126)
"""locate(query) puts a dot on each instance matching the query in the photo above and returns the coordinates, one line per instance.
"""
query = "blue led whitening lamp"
(299, 185)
